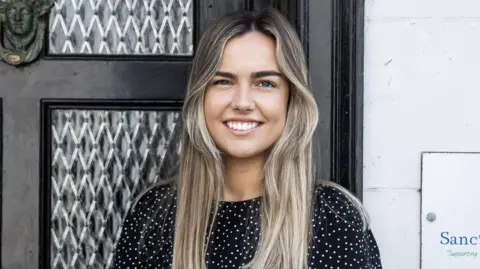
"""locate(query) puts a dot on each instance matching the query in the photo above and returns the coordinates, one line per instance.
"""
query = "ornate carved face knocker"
(22, 24)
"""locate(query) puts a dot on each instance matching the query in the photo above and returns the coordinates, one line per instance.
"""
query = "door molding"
(347, 94)
(338, 143)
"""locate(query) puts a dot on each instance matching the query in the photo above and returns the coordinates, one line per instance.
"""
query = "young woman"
(244, 196)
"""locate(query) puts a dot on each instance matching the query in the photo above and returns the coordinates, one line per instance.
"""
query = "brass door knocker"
(22, 29)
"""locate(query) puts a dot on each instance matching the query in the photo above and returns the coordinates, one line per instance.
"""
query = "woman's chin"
(242, 154)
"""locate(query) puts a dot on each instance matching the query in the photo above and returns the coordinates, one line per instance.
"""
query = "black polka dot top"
(339, 241)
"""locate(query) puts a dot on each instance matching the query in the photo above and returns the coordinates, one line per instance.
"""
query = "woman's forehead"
(253, 51)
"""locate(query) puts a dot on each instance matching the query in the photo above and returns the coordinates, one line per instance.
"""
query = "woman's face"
(246, 102)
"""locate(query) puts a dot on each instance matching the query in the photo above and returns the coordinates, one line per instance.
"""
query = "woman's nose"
(243, 98)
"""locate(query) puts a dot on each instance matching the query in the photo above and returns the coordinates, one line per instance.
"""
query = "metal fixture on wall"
(22, 28)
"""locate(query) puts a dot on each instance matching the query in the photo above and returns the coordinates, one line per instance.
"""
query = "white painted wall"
(422, 93)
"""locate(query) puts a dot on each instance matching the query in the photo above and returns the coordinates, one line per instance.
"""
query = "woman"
(244, 196)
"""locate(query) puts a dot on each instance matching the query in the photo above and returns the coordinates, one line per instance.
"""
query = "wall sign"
(450, 210)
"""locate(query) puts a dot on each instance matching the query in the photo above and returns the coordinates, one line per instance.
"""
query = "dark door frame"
(338, 142)
(347, 94)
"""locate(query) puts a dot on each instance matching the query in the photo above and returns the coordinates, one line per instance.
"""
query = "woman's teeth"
(241, 126)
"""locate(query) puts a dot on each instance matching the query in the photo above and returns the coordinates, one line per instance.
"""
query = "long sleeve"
(339, 238)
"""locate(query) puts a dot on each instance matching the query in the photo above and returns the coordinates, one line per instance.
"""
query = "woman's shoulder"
(334, 201)
(154, 197)
(340, 229)
(140, 229)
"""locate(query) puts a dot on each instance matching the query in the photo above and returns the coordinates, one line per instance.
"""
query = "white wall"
(422, 93)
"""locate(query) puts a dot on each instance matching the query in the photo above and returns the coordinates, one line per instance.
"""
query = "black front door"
(95, 119)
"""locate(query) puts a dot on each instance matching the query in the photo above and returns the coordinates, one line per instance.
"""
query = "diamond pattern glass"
(102, 159)
(121, 27)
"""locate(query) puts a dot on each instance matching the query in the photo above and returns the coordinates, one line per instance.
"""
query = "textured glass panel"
(100, 162)
(121, 27)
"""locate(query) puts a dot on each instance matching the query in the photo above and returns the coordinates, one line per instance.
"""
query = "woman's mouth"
(242, 127)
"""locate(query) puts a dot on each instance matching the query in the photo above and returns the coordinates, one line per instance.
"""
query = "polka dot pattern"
(338, 242)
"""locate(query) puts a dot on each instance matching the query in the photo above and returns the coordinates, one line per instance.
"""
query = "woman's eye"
(221, 82)
(266, 84)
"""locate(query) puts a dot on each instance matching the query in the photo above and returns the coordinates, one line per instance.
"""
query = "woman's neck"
(243, 178)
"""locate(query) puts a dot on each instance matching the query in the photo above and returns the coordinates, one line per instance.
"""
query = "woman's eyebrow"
(225, 74)
(258, 74)
(266, 73)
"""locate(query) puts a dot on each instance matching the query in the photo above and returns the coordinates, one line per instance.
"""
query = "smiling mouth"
(242, 126)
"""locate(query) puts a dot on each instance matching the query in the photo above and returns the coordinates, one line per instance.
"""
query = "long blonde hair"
(286, 204)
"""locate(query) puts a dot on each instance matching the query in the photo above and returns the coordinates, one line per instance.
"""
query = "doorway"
(96, 117)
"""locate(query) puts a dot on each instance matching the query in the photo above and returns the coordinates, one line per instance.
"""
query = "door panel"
(97, 161)
(158, 27)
